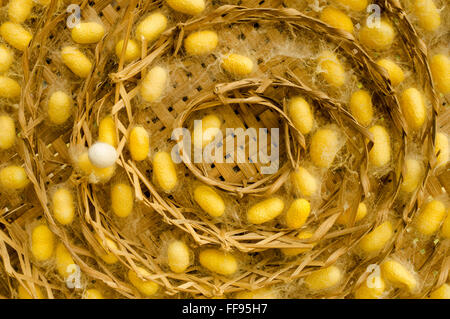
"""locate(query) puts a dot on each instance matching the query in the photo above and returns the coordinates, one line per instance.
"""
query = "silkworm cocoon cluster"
(178, 256)
(63, 206)
(443, 292)
(8, 132)
(165, 171)
(154, 83)
(427, 14)
(380, 154)
(378, 35)
(298, 213)
(151, 27)
(19, 10)
(305, 234)
(445, 231)
(42, 242)
(201, 42)
(356, 5)
(324, 146)
(95, 174)
(324, 278)
(6, 58)
(345, 217)
(265, 210)
(206, 133)
(107, 131)
(331, 69)
(13, 177)
(108, 245)
(24, 294)
(372, 288)
(122, 199)
(218, 261)
(237, 65)
(76, 61)
(304, 182)
(440, 69)
(9, 88)
(361, 107)
(413, 108)
(102, 155)
(59, 107)
(261, 293)
(413, 176)
(15, 35)
(145, 287)
(92, 294)
(301, 114)
(431, 217)
(88, 32)
(377, 239)
(441, 149)
(63, 261)
(398, 275)
(132, 51)
(337, 19)
(209, 200)
(396, 74)
(139, 143)
(191, 7)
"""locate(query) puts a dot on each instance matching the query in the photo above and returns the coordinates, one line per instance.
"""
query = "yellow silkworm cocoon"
(237, 65)
(59, 107)
(440, 69)
(324, 278)
(377, 36)
(8, 132)
(441, 149)
(443, 292)
(191, 7)
(208, 199)
(265, 211)
(6, 58)
(151, 27)
(356, 5)
(372, 288)
(377, 239)
(107, 131)
(345, 217)
(218, 261)
(132, 51)
(413, 175)
(122, 199)
(427, 14)
(154, 83)
(304, 182)
(88, 32)
(145, 287)
(19, 10)
(76, 61)
(178, 256)
(64, 261)
(361, 107)
(301, 114)
(164, 170)
(15, 35)
(24, 294)
(108, 246)
(298, 213)
(398, 275)
(337, 19)
(9, 88)
(445, 232)
(305, 234)
(63, 206)
(324, 147)
(431, 217)
(92, 294)
(13, 177)
(331, 69)
(206, 133)
(396, 74)
(380, 154)
(42, 242)
(95, 174)
(201, 42)
(261, 293)
(139, 143)
(413, 108)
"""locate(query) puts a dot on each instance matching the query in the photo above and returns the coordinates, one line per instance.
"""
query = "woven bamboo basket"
(283, 39)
